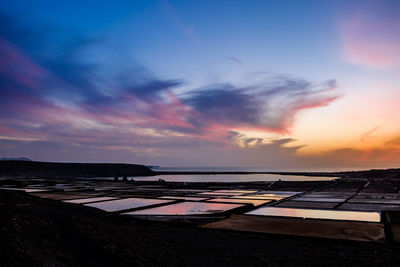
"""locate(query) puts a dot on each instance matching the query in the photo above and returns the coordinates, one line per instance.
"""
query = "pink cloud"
(15, 64)
(40, 105)
(6, 131)
(173, 17)
(371, 35)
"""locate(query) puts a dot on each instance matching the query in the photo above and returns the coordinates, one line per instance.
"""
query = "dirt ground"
(42, 232)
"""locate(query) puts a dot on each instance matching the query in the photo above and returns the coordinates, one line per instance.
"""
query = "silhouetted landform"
(25, 167)
(73, 170)
(19, 159)
(375, 173)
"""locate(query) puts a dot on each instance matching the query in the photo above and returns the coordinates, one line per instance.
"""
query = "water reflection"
(28, 190)
(237, 200)
(329, 194)
(187, 208)
(271, 195)
(126, 203)
(221, 192)
(285, 193)
(228, 192)
(185, 198)
(318, 199)
(261, 196)
(318, 214)
(233, 178)
(88, 200)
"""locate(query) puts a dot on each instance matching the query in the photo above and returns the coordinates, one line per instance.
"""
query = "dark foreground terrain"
(43, 232)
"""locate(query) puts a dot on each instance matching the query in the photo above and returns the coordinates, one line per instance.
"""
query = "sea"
(236, 177)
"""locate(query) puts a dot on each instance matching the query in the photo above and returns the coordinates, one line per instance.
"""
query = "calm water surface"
(126, 203)
(233, 178)
(365, 216)
(230, 177)
(187, 208)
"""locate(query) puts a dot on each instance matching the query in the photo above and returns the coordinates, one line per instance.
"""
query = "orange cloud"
(369, 134)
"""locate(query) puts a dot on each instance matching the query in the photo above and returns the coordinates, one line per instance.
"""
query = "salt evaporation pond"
(364, 216)
(88, 200)
(127, 203)
(184, 198)
(255, 202)
(186, 208)
(28, 190)
(318, 199)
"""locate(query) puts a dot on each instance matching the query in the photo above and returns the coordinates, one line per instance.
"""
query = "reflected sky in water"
(255, 202)
(88, 200)
(318, 214)
(185, 198)
(233, 178)
(260, 196)
(318, 199)
(187, 208)
(227, 192)
(28, 190)
(126, 203)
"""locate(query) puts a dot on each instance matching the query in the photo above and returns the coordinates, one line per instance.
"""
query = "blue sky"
(191, 36)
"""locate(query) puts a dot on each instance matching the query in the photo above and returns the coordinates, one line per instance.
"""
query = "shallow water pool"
(127, 203)
(318, 214)
(187, 208)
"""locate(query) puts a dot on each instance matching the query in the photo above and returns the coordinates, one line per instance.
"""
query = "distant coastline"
(70, 170)
(75, 170)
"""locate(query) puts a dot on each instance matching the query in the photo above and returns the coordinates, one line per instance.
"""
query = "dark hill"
(55, 169)
(23, 159)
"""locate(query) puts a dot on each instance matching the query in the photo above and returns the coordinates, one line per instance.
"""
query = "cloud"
(377, 157)
(15, 31)
(395, 142)
(271, 105)
(172, 16)
(370, 34)
(62, 95)
(236, 61)
(224, 103)
(368, 135)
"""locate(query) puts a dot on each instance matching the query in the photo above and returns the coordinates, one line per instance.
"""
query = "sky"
(275, 84)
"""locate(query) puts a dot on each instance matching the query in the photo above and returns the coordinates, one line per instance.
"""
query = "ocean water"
(256, 169)
(225, 178)
(232, 178)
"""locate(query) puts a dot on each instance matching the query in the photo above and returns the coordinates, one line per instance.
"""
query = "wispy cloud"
(368, 135)
(172, 15)
(370, 34)
(395, 142)
(269, 106)
(69, 98)
(236, 61)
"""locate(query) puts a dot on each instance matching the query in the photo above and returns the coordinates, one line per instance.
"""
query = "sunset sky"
(283, 84)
